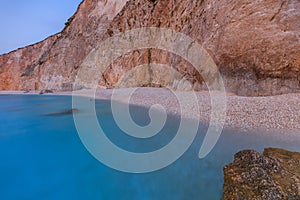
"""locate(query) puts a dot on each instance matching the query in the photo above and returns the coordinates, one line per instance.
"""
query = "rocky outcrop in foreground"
(273, 175)
(254, 43)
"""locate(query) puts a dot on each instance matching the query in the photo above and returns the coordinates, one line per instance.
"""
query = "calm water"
(42, 157)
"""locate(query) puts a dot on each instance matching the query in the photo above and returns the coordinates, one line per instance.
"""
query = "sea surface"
(42, 157)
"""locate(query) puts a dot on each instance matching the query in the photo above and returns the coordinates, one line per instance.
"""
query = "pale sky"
(25, 22)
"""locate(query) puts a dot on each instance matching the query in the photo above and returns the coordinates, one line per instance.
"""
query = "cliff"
(275, 174)
(255, 44)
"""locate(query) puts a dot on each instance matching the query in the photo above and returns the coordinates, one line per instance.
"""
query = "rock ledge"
(275, 174)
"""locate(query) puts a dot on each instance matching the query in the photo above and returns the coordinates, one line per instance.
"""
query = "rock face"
(275, 174)
(255, 44)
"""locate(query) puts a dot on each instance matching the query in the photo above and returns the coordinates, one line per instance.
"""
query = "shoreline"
(279, 113)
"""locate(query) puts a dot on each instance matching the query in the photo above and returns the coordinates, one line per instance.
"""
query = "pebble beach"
(245, 113)
(280, 112)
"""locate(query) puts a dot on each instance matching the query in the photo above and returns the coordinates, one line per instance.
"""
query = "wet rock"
(46, 92)
(273, 175)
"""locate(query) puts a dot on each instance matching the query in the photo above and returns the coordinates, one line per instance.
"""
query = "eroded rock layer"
(255, 44)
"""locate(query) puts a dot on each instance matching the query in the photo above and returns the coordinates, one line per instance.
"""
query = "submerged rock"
(275, 174)
(65, 112)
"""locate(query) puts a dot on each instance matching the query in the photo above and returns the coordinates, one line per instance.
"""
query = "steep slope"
(256, 44)
(52, 64)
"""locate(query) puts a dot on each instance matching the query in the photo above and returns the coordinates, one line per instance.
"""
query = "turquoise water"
(42, 157)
